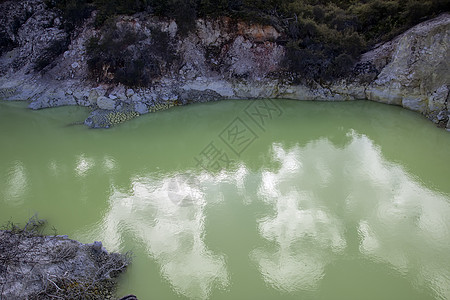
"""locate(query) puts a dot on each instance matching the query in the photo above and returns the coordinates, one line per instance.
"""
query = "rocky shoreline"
(35, 266)
(218, 60)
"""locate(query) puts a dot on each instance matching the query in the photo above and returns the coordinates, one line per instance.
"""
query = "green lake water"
(244, 199)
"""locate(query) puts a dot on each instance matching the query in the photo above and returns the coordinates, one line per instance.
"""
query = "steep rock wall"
(417, 76)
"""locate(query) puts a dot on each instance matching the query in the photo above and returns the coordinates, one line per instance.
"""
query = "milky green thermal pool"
(242, 199)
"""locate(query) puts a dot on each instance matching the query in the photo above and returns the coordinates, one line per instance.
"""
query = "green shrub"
(341, 66)
(74, 12)
(416, 10)
(318, 13)
(110, 55)
(120, 56)
(109, 8)
(305, 62)
(185, 14)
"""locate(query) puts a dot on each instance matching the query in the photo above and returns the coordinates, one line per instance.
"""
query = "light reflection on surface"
(400, 222)
(317, 195)
(109, 164)
(172, 233)
(306, 237)
(83, 165)
(17, 183)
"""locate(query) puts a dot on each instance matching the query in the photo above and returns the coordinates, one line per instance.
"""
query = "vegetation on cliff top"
(111, 59)
(323, 37)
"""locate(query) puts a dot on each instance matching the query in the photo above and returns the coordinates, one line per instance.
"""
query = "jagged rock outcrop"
(220, 59)
(33, 266)
(414, 69)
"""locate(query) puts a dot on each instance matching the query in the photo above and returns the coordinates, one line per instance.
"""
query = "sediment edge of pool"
(411, 70)
(36, 266)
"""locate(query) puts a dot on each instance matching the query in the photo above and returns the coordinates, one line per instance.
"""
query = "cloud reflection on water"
(172, 233)
(306, 237)
(317, 195)
(400, 222)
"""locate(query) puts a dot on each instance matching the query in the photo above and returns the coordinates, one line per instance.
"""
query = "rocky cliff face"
(219, 59)
(414, 69)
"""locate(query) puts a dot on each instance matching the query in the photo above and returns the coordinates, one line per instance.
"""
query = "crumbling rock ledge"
(217, 60)
(34, 266)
